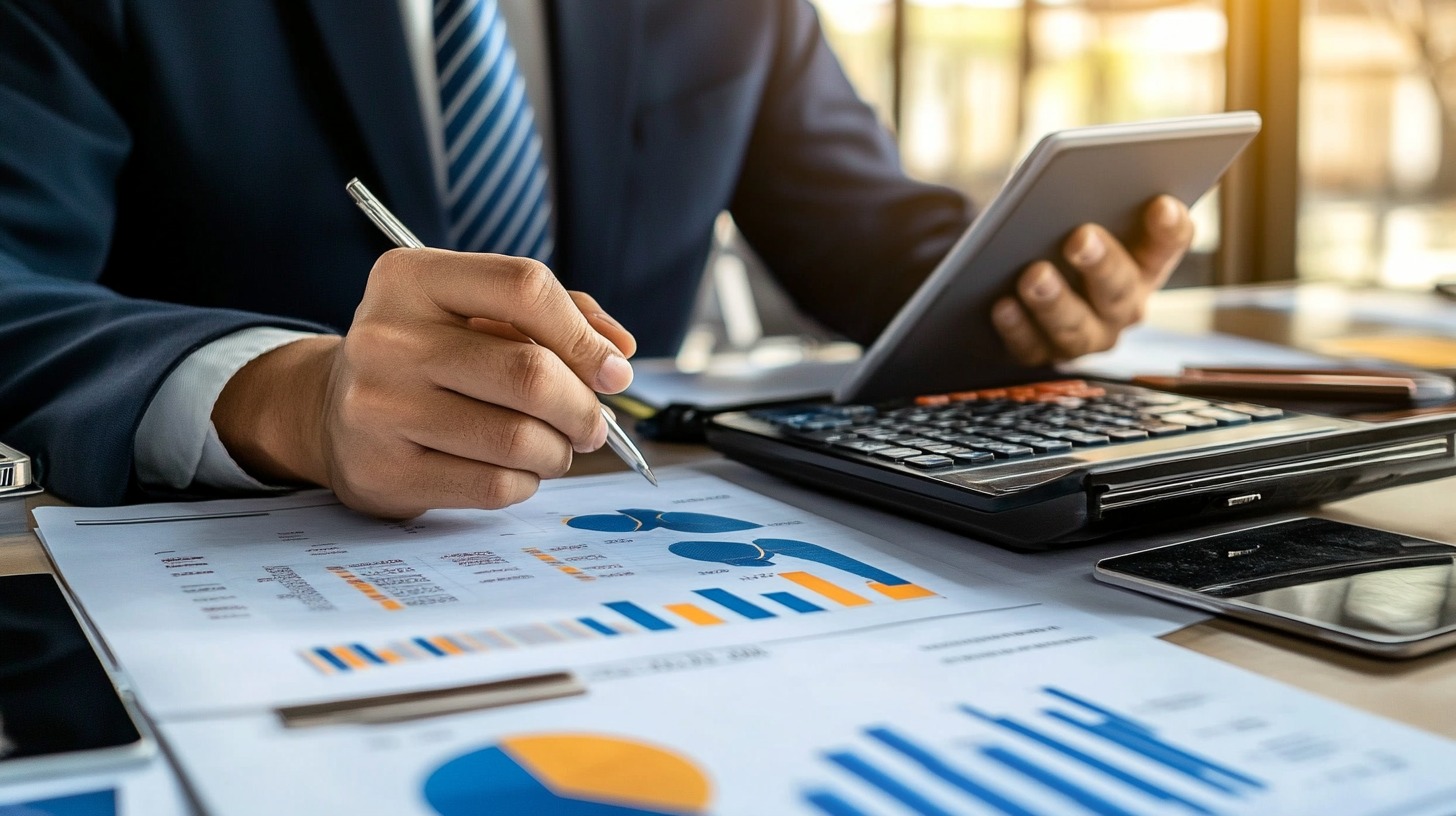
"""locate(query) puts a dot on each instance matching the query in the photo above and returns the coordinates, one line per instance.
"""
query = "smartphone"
(61, 709)
(942, 339)
(1375, 591)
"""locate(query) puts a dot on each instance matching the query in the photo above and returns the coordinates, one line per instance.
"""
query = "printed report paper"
(251, 604)
(1009, 712)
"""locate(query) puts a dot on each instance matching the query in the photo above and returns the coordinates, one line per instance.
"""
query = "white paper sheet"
(658, 382)
(250, 604)
(1061, 577)
(1147, 349)
(1023, 711)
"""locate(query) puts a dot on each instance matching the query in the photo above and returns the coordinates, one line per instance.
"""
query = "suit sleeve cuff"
(176, 445)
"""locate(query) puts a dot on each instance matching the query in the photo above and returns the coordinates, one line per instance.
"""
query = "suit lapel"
(372, 64)
(593, 71)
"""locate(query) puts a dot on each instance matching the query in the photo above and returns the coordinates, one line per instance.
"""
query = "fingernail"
(1006, 314)
(608, 319)
(614, 376)
(1091, 251)
(1047, 285)
(1168, 213)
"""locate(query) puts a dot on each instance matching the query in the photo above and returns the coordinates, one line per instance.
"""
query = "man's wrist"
(270, 414)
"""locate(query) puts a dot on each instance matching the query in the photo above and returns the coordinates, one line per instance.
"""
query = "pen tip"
(647, 471)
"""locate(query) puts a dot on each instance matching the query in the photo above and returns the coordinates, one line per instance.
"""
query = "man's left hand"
(1048, 321)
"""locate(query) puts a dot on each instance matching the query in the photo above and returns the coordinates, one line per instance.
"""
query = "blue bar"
(329, 656)
(1071, 790)
(793, 602)
(598, 627)
(428, 646)
(1087, 759)
(896, 789)
(1095, 709)
(639, 616)
(946, 773)
(1137, 737)
(831, 804)
(1169, 757)
(728, 600)
(373, 658)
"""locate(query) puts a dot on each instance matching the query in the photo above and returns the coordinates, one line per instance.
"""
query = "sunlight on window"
(983, 79)
(1377, 146)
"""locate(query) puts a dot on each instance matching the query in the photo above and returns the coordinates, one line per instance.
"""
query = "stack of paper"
(701, 648)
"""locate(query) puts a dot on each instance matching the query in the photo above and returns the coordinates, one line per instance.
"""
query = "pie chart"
(567, 774)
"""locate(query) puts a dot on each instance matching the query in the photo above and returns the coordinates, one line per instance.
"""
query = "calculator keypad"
(940, 431)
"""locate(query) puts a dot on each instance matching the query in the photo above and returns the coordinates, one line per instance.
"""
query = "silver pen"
(617, 439)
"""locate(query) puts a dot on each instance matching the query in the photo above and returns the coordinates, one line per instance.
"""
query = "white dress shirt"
(176, 444)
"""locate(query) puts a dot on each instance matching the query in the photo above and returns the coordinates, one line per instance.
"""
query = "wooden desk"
(1418, 692)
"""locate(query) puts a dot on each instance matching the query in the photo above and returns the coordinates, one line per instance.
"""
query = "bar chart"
(1005, 712)
(794, 592)
(1073, 754)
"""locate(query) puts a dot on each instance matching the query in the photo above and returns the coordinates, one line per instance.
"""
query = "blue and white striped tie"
(496, 198)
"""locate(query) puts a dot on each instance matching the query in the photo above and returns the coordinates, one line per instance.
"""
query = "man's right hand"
(464, 380)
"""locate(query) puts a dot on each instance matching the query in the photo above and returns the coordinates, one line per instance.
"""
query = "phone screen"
(1371, 584)
(55, 694)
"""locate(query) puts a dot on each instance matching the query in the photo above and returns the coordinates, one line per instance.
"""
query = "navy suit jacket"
(172, 171)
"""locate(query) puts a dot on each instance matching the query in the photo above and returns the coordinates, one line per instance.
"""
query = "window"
(1377, 144)
(980, 80)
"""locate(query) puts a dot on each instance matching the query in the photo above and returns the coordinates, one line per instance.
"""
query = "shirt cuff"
(176, 444)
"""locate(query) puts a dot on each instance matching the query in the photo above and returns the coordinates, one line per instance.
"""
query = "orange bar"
(347, 655)
(695, 614)
(901, 592)
(833, 592)
(319, 663)
(388, 657)
(392, 606)
(445, 646)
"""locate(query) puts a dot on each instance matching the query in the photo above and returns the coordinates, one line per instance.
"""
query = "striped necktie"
(496, 198)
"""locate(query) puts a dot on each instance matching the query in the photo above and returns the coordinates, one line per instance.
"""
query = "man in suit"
(189, 302)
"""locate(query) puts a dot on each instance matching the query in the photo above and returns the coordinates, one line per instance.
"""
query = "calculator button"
(911, 441)
(1162, 428)
(1048, 445)
(966, 456)
(1191, 420)
(895, 454)
(862, 445)
(1004, 450)
(1223, 416)
(929, 461)
(1256, 411)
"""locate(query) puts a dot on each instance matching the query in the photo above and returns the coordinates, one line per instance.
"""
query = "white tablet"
(942, 339)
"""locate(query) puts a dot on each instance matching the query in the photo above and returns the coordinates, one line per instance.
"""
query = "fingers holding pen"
(524, 294)
(463, 381)
(606, 325)
(523, 377)
(430, 479)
